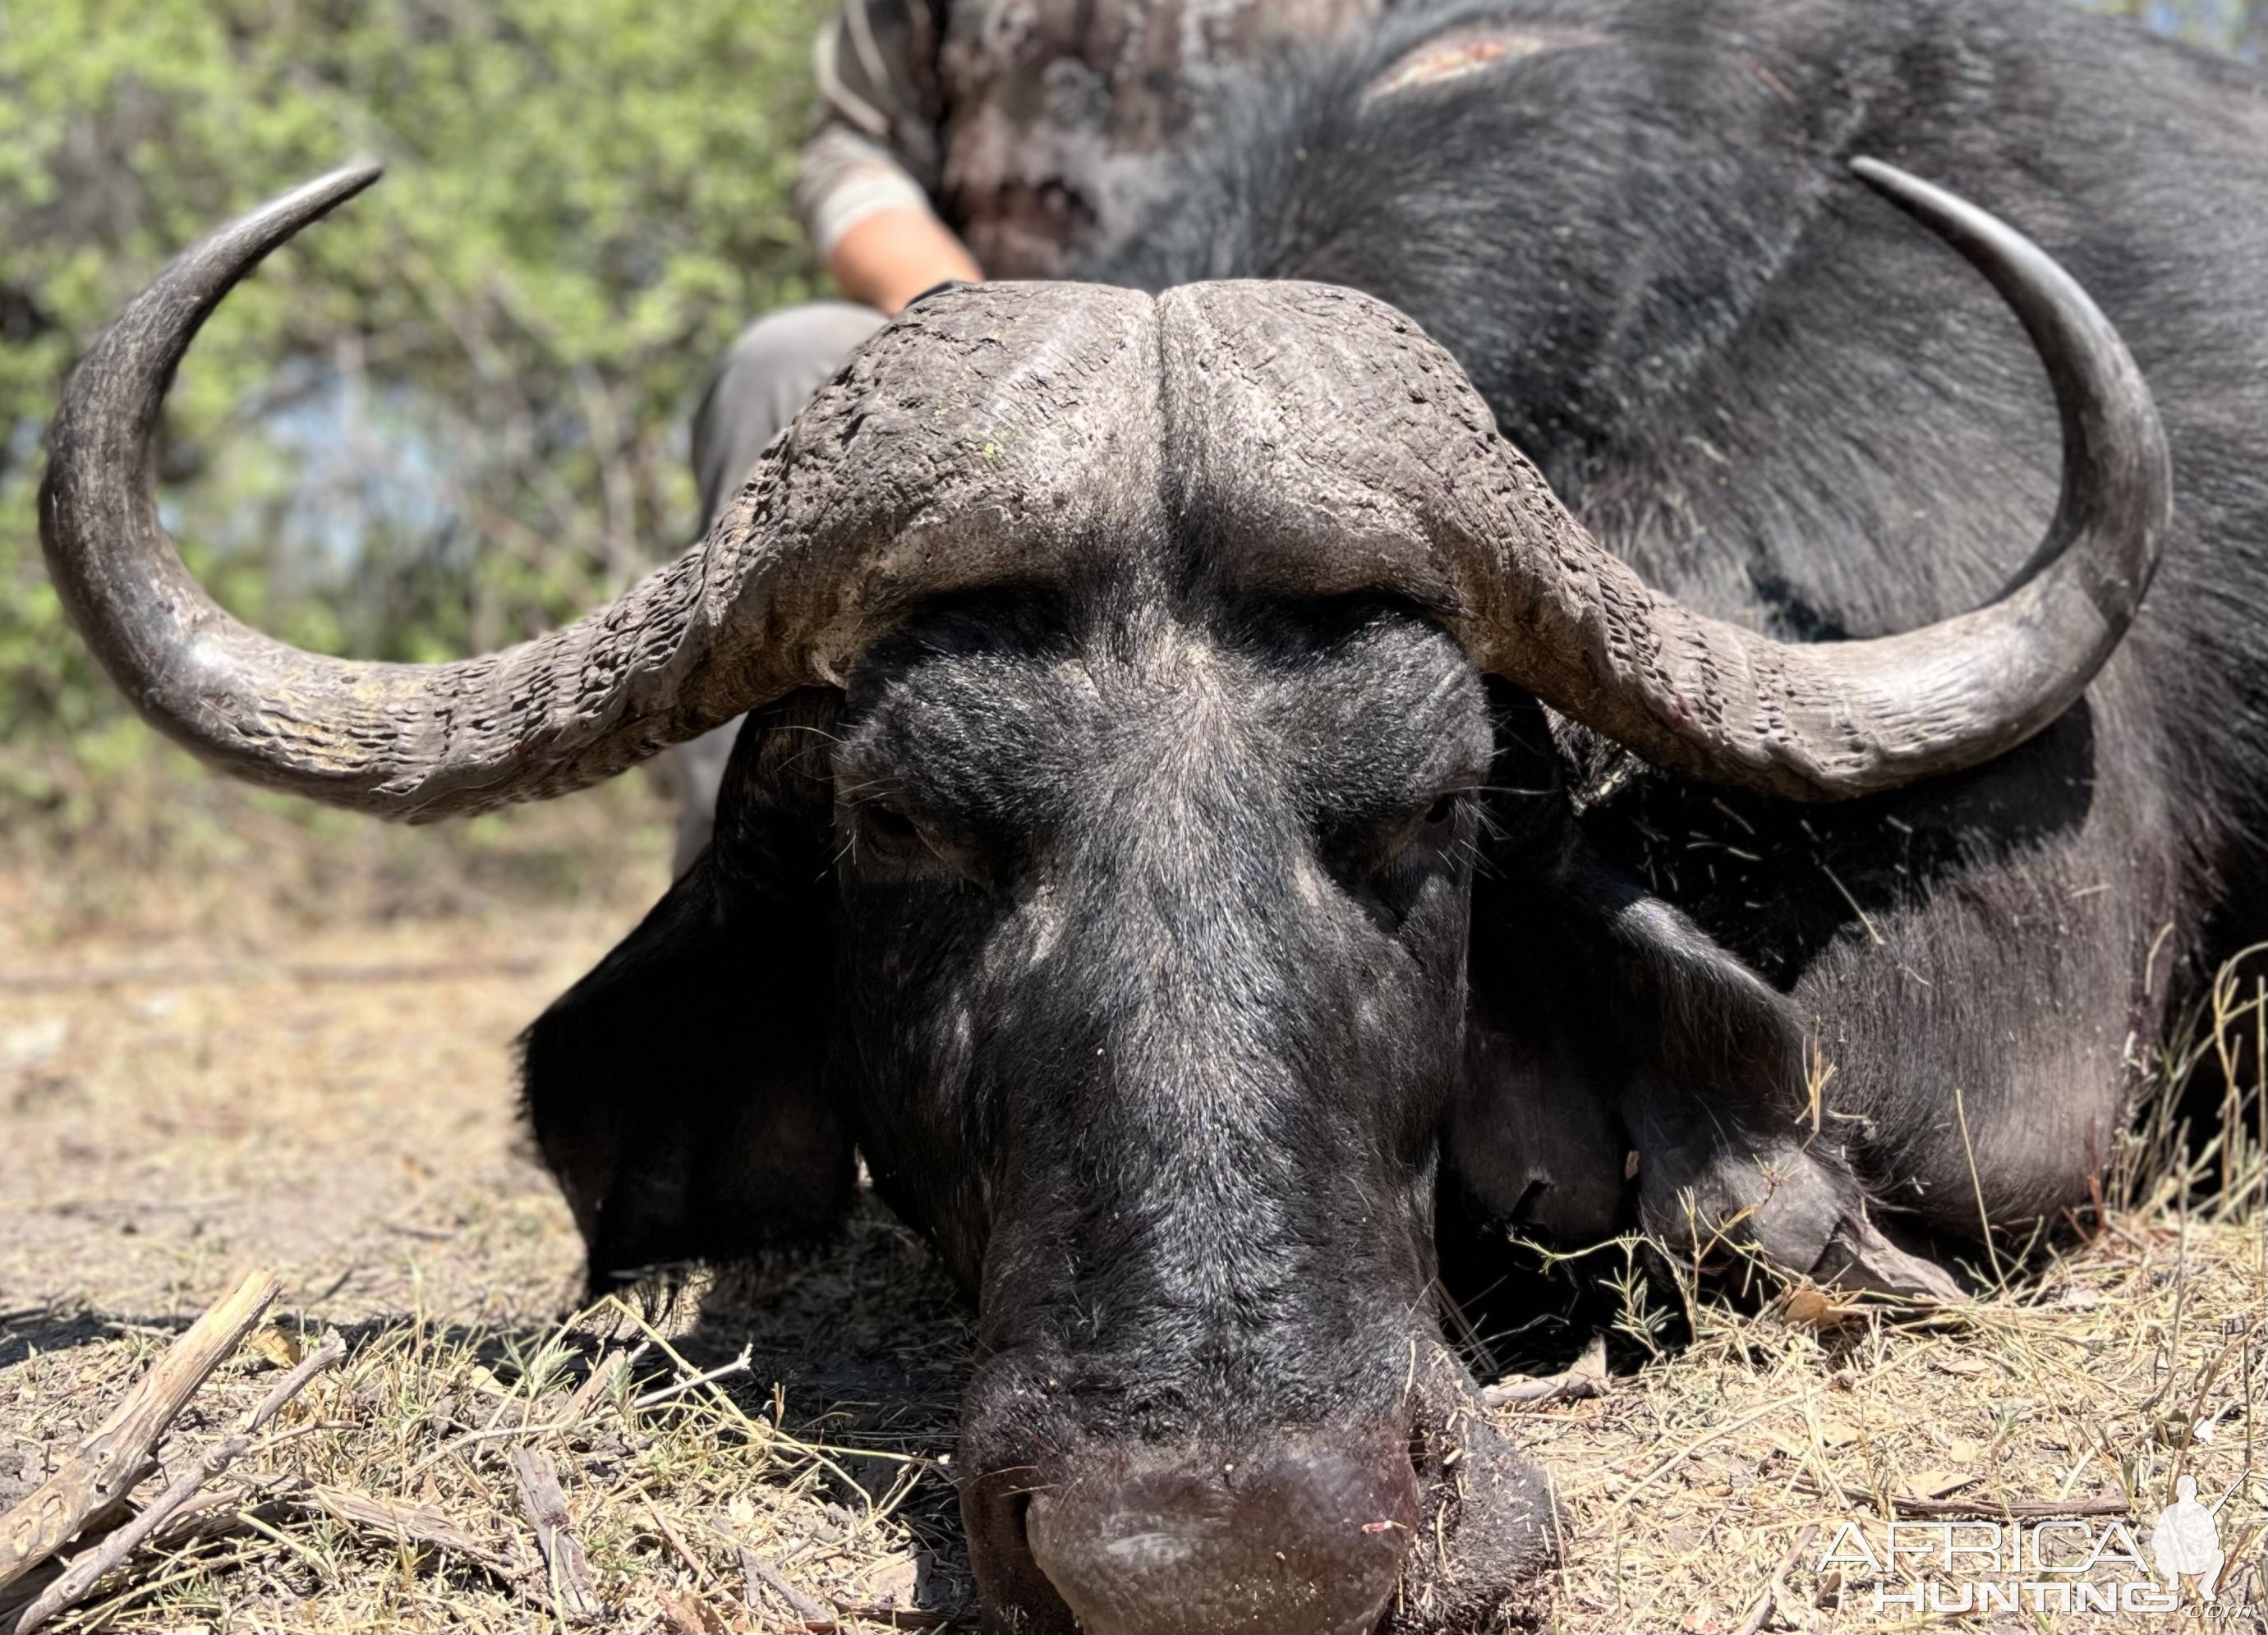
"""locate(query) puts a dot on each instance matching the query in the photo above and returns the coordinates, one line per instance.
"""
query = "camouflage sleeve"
(876, 142)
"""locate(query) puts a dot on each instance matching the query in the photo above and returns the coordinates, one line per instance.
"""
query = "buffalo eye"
(891, 832)
(1437, 825)
(892, 838)
(890, 823)
(1418, 838)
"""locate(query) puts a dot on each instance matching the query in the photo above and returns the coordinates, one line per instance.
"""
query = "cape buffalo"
(1206, 791)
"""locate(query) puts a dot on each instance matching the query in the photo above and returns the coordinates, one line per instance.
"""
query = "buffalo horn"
(1831, 721)
(932, 462)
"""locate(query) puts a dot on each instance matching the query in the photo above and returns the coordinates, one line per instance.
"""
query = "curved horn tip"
(230, 253)
(1948, 214)
(1884, 175)
(1968, 227)
(326, 192)
(267, 227)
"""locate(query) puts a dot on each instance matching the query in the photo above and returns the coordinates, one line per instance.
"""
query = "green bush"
(452, 415)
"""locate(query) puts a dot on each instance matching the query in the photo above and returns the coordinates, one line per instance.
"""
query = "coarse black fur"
(1757, 383)
(1160, 947)
(715, 1137)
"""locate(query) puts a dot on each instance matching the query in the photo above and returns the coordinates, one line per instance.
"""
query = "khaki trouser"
(774, 366)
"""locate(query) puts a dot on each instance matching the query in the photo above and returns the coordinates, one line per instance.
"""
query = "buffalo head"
(1139, 681)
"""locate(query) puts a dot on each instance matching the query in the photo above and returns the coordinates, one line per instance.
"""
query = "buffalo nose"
(1299, 1540)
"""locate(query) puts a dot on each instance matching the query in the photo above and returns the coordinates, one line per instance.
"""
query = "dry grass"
(2082, 1382)
(676, 1457)
(315, 1078)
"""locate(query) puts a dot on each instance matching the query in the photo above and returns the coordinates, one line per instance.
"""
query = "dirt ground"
(215, 1076)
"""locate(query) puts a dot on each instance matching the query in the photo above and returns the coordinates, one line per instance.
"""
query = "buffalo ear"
(1606, 1027)
(676, 1092)
(1601, 1021)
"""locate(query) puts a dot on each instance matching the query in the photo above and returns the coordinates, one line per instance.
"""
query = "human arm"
(888, 257)
(863, 181)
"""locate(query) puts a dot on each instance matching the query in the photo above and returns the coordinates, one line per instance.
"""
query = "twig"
(739, 1365)
(216, 1515)
(604, 1373)
(283, 1496)
(2013, 1509)
(491, 1432)
(144, 1589)
(701, 1572)
(908, 1618)
(1761, 1610)
(412, 1524)
(112, 1462)
(566, 1570)
(1979, 1509)
(410, 1228)
(816, 1619)
(89, 1566)
(1587, 1378)
(689, 1613)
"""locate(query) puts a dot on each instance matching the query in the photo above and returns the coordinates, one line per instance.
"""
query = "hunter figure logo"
(2187, 1540)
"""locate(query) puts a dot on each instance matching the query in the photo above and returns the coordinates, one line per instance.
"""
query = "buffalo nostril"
(1303, 1538)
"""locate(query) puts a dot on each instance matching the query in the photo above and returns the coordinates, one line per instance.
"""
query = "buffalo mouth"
(1427, 1519)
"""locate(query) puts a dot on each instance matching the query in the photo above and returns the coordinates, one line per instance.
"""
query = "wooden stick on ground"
(110, 1463)
(88, 1567)
(758, 1571)
(702, 1571)
(1982, 1509)
(1763, 1610)
(592, 1391)
(546, 1508)
(424, 1525)
(1586, 1378)
(283, 1498)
